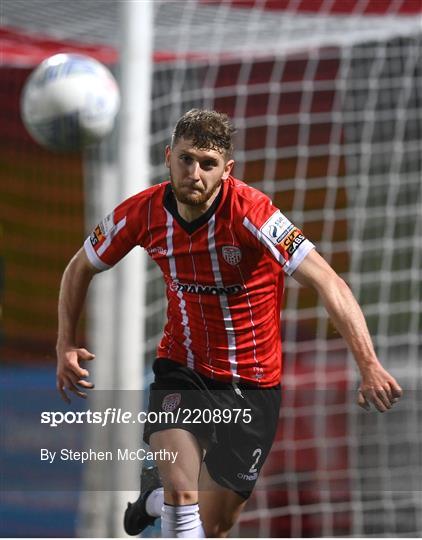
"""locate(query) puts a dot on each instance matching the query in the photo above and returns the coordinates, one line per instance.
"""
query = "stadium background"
(326, 99)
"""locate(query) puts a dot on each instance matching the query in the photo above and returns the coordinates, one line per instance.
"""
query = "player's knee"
(178, 497)
(177, 480)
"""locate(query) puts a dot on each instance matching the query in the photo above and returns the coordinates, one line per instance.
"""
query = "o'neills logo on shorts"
(197, 288)
(248, 477)
(171, 402)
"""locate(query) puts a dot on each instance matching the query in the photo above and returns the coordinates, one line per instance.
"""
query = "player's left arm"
(377, 385)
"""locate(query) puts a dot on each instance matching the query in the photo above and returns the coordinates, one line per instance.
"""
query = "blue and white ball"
(69, 101)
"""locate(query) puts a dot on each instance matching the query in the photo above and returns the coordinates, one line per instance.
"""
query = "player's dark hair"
(208, 130)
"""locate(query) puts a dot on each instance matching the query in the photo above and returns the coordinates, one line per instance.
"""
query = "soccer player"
(224, 251)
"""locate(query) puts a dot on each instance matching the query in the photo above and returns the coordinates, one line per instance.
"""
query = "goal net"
(326, 99)
(328, 111)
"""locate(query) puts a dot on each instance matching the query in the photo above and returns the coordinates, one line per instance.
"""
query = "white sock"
(154, 502)
(181, 522)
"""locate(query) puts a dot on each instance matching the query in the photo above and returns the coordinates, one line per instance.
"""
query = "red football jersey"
(224, 276)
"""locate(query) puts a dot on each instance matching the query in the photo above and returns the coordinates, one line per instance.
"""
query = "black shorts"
(235, 423)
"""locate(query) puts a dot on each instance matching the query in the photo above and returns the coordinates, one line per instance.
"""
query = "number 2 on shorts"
(257, 452)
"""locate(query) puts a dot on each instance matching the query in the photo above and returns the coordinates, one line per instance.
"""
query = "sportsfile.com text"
(113, 415)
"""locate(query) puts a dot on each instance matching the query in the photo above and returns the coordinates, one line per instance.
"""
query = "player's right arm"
(71, 376)
(115, 235)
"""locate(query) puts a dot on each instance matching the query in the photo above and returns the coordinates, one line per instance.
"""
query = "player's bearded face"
(196, 174)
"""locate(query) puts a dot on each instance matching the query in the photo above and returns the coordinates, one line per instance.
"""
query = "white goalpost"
(117, 300)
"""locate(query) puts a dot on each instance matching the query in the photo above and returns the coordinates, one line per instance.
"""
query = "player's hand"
(71, 376)
(379, 388)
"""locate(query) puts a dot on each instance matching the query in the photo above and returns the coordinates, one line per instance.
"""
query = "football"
(69, 101)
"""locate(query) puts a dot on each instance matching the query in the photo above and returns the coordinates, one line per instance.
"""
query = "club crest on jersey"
(232, 255)
(171, 402)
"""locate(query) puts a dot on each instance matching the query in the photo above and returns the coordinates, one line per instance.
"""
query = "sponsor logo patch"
(232, 255)
(290, 237)
(295, 243)
(105, 227)
(171, 402)
(94, 238)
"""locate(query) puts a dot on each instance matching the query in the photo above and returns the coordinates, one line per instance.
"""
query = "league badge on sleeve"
(107, 224)
(276, 228)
